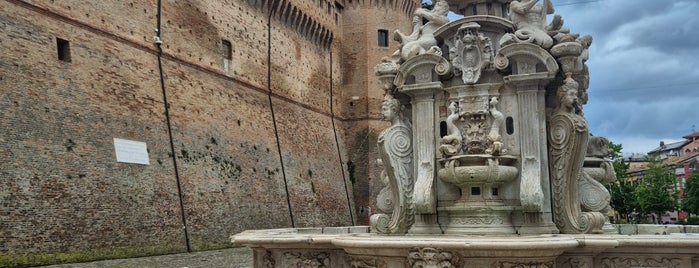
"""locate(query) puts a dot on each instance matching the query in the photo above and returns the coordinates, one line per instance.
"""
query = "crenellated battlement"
(317, 24)
(407, 7)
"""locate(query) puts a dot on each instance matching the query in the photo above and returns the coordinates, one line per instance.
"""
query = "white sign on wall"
(128, 151)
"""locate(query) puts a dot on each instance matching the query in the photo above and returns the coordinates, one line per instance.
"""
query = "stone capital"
(533, 81)
(461, 91)
(421, 92)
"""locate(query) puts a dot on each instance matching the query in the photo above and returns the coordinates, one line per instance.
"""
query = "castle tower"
(366, 36)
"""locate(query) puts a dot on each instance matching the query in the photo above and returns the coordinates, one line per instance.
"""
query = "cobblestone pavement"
(224, 258)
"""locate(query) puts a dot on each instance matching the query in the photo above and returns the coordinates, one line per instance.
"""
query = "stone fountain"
(488, 161)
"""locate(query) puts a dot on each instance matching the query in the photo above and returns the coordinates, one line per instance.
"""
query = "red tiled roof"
(683, 158)
(690, 136)
(670, 146)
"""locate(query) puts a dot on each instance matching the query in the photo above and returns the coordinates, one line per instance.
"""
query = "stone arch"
(421, 68)
(526, 58)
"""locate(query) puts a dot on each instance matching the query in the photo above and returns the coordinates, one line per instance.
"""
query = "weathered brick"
(61, 189)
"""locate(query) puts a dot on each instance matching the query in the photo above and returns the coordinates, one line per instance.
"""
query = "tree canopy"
(690, 203)
(656, 192)
(621, 191)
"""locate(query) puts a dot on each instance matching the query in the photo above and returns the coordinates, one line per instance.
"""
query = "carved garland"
(364, 262)
(431, 257)
(624, 262)
(268, 260)
(510, 264)
(307, 259)
(574, 262)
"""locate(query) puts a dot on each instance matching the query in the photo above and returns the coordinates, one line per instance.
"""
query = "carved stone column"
(424, 127)
(535, 194)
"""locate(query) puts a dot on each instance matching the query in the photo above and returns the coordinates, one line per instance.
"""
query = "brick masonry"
(61, 189)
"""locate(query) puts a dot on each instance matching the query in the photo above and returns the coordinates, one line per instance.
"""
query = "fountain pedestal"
(480, 210)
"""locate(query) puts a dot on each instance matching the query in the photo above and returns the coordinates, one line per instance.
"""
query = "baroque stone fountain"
(488, 161)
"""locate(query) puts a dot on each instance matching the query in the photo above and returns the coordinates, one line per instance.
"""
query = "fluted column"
(424, 128)
(535, 192)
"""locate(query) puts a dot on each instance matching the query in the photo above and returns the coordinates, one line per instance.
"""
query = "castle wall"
(62, 189)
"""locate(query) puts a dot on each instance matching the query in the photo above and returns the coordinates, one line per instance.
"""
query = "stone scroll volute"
(396, 152)
(568, 137)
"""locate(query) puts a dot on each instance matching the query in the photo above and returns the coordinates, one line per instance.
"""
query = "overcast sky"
(644, 68)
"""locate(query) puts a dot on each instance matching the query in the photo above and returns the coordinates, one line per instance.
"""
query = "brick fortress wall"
(61, 188)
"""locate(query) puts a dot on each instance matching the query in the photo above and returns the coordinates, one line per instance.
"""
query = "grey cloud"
(644, 68)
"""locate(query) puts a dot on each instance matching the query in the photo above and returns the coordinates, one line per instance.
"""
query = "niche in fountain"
(475, 160)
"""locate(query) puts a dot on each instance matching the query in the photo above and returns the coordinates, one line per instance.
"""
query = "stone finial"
(386, 72)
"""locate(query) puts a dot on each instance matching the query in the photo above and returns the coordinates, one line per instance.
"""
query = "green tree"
(616, 150)
(656, 191)
(621, 191)
(690, 203)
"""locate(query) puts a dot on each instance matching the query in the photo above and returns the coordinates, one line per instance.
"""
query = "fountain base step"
(346, 247)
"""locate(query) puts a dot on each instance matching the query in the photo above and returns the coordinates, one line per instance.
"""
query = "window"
(442, 129)
(475, 190)
(226, 54)
(383, 38)
(510, 125)
(63, 49)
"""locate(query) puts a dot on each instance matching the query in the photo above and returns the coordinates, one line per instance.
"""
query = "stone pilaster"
(424, 127)
(535, 193)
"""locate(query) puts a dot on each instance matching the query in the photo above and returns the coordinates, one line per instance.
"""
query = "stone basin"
(345, 247)
(467, 170)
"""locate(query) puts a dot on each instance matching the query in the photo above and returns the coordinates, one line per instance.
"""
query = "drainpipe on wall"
(337, 143)
(271, 107)
(158, 43)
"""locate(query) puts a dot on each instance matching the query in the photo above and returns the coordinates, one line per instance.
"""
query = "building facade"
(248, 115)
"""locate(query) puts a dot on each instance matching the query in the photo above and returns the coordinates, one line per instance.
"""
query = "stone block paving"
(224, 258)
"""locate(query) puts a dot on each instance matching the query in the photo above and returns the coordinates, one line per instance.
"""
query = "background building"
(682, 157)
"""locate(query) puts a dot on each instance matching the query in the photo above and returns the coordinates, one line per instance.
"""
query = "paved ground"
(224, 258)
